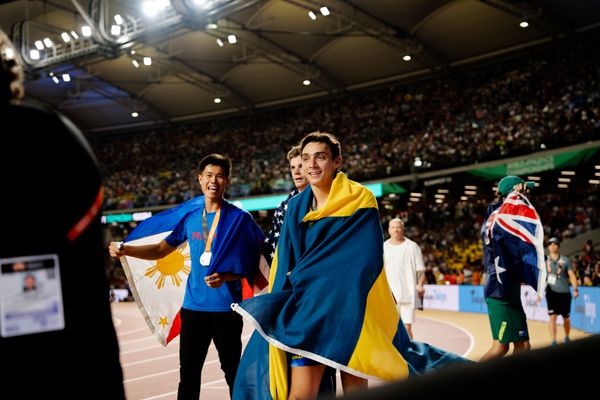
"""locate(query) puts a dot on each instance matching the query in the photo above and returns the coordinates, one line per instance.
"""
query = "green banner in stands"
(389, 188)
(530, 165)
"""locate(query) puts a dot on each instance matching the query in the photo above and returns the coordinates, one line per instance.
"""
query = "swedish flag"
(329, 300)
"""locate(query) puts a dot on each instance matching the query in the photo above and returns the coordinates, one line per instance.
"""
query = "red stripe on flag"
(520, 210)
(513, 231)
(87, 218)
(175, 328)
(247, 291)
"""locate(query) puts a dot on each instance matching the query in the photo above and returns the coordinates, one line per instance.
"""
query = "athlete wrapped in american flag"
(294, 157)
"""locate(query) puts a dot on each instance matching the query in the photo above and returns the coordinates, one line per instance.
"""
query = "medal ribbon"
(213, 228)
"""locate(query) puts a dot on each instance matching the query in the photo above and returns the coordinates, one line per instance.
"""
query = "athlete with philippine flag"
(185, 268)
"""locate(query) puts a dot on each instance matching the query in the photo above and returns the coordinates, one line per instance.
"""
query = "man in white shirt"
(403, 263)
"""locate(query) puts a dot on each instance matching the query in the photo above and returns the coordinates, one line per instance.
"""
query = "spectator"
(404, 268)
(558, 295)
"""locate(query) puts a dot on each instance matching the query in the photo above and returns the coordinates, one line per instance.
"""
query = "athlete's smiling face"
(213, 182)
(318, 164)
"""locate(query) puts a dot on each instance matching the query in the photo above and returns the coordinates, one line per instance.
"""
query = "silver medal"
(205, 258)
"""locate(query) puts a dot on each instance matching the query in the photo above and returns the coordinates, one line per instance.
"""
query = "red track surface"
(151, 371)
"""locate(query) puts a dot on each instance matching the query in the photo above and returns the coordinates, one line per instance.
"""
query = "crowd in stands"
(587, 265)
(449, 234)
(547, 100)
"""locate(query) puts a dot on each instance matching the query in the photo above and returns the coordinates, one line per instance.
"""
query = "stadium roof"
(279, 46)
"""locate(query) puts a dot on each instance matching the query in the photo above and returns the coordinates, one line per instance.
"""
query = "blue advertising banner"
(584, 308)
(468, 298)
(471, 299)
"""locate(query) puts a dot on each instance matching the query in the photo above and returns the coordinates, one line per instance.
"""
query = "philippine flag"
(158, 286)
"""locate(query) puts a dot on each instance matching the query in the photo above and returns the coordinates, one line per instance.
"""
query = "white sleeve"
(419, 264)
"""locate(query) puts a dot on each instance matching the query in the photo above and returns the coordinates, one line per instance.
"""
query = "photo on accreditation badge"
(30, 295)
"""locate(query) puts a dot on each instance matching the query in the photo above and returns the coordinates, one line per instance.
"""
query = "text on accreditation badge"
(30, 295)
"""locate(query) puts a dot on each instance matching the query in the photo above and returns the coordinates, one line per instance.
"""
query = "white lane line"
(144, 377)
(132, 331)
(460, 328)
(141, 378)
(160, 396)
(147, 360)
(122, 342)
(135, 340)
(203, 386)
(154, 346)
(117, 321)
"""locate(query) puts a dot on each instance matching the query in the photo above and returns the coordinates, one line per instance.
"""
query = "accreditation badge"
(205, 258)
(30, 295)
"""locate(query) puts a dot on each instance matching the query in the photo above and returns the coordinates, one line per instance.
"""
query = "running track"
(151, 371)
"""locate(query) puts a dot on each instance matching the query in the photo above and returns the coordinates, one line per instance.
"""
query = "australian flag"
(513, 239)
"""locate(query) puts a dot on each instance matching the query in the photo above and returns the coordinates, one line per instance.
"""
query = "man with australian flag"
(512, 237)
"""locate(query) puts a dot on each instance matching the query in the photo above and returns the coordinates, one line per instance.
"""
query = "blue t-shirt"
(198, 296)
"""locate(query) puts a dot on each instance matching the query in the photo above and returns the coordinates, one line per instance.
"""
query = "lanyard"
(213, 228)
(549, 265)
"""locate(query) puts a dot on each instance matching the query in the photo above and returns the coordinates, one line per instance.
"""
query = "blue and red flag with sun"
(158, 286)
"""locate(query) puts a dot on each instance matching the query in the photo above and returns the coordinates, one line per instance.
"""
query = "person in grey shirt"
(558, 295)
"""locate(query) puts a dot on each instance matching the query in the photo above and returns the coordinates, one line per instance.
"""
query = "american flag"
(515, 233)
(268, 249)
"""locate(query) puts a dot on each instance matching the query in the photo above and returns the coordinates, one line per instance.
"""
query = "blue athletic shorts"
(299, 361)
